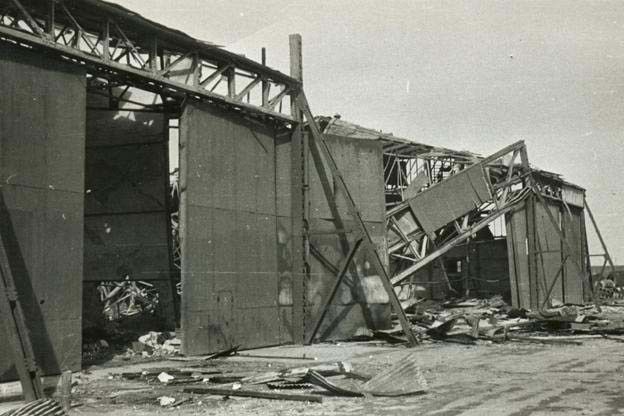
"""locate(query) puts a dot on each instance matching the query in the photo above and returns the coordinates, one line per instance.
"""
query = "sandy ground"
(489, 379)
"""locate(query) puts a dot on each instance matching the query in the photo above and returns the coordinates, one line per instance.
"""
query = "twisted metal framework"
(415, 247)
(410, 168)
(119, 46)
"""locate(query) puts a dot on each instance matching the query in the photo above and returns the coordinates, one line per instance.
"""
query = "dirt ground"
(513, 379)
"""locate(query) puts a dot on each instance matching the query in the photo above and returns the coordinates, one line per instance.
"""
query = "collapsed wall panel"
(127, 226)
(459, 195)
(42, 130)
(361, 302)
(235, 237)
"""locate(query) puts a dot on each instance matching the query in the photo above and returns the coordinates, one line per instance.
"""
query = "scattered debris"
(165, 378)
(471, 321)
(255, 394)
(278, 357)
(319, 380)
(166, 401)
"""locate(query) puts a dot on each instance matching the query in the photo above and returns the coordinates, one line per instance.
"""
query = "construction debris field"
(487, 379)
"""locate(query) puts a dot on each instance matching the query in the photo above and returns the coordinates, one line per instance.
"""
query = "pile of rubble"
(155, 344)
(127, 298)
(471, 321)
(151, 345)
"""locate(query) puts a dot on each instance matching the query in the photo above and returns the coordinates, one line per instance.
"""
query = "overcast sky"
(466, 75)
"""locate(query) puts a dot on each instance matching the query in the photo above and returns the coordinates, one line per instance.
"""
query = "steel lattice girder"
(116, 44)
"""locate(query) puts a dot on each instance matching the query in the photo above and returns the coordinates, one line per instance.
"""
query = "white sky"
(473, 75)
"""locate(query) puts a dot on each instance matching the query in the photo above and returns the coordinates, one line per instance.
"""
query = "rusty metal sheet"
(235, 250)
(448, 200)
(41, 172)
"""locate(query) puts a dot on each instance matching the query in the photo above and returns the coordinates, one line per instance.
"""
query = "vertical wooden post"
(296, 66)
(265, 83)
(50, 18)
(106, 41)
(298, 198)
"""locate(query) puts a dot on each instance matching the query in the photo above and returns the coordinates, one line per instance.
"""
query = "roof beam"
(110, 69)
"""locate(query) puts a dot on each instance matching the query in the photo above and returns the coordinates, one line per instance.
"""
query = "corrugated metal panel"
(42, 122)
(449, 200)
(233, 260)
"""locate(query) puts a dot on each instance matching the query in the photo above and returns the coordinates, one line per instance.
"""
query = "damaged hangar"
(94, 93)
(287, 231)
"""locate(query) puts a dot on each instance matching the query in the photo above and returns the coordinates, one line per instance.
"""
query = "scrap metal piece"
(319, 380)
(42, 407)
(255, 394)
(401, 379)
